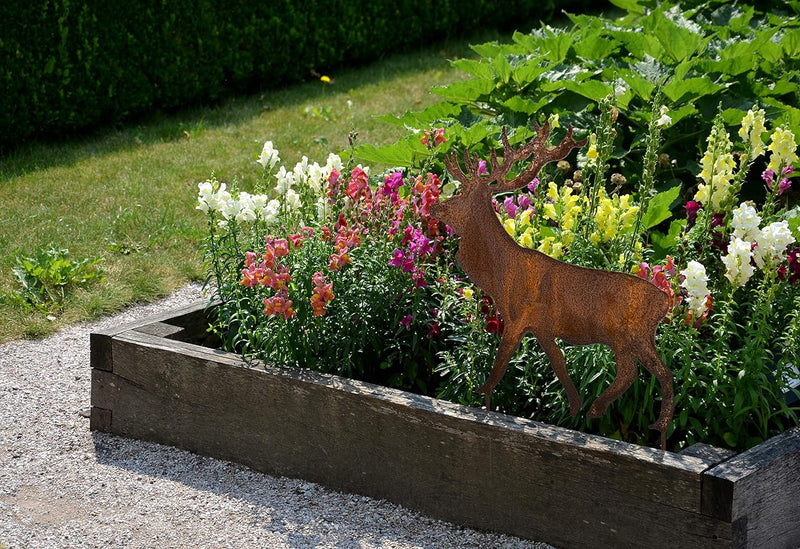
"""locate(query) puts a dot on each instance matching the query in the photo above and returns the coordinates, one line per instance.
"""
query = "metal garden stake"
(551, 299)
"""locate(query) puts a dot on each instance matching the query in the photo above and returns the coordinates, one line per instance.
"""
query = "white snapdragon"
(695, 283)
(334, 162)
(665, 119)
(229, 207)
(270, 212)
(269, 156)
(293, 200)
(316, 178)
(284, 181)
(205, 195)
(246, 211)
(737, 262)
(301, 170)
(323, 208)
(771, 243)
(745, 222)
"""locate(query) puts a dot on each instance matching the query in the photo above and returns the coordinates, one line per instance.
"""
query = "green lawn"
(128, 194)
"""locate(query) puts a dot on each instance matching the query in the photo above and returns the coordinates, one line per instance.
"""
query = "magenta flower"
(510, 207)
(692, 208)
(405, 322)
(482, 168)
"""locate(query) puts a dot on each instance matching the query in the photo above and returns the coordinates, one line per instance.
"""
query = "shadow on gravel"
(307, 514)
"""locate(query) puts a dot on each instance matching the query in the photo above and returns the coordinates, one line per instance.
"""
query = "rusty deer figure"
(549, 298)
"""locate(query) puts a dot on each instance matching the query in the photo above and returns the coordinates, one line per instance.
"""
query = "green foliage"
(46, 278)
(67, 65)
(696, 56)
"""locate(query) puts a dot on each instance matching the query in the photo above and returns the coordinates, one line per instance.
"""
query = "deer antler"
(499, 171)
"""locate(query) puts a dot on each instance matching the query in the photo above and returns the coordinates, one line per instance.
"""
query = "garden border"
(481, 469)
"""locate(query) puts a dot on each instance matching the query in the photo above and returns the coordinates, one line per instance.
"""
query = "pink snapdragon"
(322, 294)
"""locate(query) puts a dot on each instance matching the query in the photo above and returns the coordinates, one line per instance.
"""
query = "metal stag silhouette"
(551, 299)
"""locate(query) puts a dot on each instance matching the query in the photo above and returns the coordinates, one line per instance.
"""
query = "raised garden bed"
(158, 380)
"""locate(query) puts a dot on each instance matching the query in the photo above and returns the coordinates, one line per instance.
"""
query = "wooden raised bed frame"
(481, 469)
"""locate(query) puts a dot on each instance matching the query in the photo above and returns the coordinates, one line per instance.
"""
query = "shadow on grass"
(233, 109)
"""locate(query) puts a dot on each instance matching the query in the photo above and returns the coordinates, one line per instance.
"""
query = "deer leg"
(626, 374)
(508, 344)
(559, 365)
(650, 360)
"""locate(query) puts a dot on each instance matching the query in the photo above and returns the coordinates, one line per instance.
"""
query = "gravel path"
(63, 486)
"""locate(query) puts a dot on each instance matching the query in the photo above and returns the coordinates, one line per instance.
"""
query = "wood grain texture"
(485, 470)
(763, 488)
(481, 469)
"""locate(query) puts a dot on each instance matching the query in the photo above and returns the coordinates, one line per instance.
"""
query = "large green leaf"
(527, 106)
(525, 73)
(477, 68)
(659, 208)
(678, 42)
(469, 91)
(590, 89)
(402, 153)
(791, 43)
(689, 89)
(595, 46)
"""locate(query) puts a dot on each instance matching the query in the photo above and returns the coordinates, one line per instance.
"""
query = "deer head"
(478, 186)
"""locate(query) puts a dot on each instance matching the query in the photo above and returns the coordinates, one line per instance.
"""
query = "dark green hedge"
(67, 65)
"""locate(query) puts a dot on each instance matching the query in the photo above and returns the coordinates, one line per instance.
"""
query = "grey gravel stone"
(64, 486)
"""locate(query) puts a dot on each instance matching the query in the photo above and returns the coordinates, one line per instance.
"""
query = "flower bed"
(486, 470)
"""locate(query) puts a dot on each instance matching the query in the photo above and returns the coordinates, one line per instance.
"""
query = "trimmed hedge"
(70, 65)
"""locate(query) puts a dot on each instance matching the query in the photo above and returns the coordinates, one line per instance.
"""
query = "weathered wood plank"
(761, 490)
(100, 342)
(499, 473)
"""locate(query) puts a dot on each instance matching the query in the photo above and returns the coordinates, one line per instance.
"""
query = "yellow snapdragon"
(717, 170)
(783, 149)
(550, 247)
(510, 226)
(753, 126)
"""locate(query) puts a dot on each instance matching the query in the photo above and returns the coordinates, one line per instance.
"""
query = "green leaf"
(526, 106)
(524, 74)
(474, 67)
(402, 153)
(679, 43)
(590, 89)
(425, 118)
(768, 49)
(465, 92)
(595, 47)
(791, 43)
(631, 6)
(690, 89)
(659, 208)
(502, 67)
(666, 243)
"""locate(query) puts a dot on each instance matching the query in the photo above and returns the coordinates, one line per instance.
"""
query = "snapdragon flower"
(246, 208)
(738, 269)
(745, 222)
(753, 126)
(771, 243)
(293, 201)
(665, 119)
(205, 195)
(284, 181)
(783, 149)
(695, 283)
(717, 170)
(592, 154)
(269, 156)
